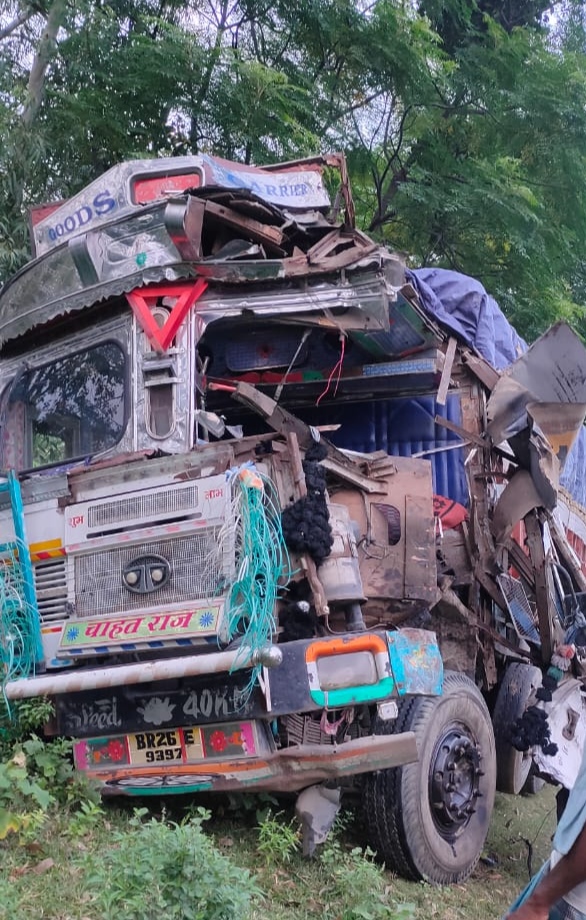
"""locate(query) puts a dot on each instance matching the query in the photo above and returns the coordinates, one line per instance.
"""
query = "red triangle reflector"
(143, 299)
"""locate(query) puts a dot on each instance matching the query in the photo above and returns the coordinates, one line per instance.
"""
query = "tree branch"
(16, 22)
(45, 51)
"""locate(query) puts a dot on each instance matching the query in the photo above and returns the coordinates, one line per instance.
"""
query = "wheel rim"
(454, 785)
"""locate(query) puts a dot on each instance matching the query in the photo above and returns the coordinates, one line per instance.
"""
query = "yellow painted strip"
(45, 545)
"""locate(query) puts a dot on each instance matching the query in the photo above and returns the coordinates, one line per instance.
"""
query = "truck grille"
(51, 589)
(147, 506)
(200, 568)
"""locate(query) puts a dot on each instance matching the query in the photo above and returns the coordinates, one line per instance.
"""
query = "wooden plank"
(442, 390)
(284, 422)
(491, 588)
(545, 608)
(521, 562)
(354, 477)
(465, 435)
(481, 369)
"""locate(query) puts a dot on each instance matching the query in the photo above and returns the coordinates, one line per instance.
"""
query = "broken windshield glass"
(70, 408)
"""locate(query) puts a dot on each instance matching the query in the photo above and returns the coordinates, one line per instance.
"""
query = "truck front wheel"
(429, 820)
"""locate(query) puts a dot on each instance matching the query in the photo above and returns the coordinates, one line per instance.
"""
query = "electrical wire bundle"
(18, 622)
(261, 561)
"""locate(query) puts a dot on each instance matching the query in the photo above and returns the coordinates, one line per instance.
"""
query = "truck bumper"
(287, 770)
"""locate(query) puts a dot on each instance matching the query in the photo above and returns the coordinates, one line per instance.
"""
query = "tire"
(514, 768)
(420, 828)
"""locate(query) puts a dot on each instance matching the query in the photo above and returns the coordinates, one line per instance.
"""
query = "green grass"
(41, 874)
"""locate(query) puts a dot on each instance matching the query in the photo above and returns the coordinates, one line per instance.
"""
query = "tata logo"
(102, 204)
(146, 574)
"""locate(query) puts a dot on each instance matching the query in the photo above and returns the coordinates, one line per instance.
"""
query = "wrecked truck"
(273, 518)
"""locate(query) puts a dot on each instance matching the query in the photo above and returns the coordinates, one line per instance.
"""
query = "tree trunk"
(45, 51)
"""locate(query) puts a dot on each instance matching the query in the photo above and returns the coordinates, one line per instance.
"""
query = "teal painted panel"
(416, 662)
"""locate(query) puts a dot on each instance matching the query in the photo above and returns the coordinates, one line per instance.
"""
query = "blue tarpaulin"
(462, 305)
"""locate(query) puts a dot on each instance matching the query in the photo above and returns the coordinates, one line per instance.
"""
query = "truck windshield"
(72, 407)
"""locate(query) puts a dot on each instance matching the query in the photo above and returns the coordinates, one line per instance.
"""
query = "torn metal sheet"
(519, 497)
(553, 370)
(533, 452)
(302, 188)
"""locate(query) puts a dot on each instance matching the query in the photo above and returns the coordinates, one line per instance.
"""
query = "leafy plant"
(278, 840)
(35, 774)
(24, 719)
(166, 869)
(88, 816)
(355, 886)
(19, 794)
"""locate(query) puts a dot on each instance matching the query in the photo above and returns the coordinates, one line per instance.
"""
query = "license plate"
(227, 741)
(180, 745)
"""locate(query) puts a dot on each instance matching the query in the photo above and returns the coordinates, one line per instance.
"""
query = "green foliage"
(278, 839)
(36, 776)
(25, 718)
(355, 886)
(171, 870)
(20, 795)
(464, 120)
(86, 819)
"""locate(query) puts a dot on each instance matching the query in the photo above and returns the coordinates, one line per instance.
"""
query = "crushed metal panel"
(546, 612)
(409, 332)
(519, 497)
(115, 192)
(553, 370)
